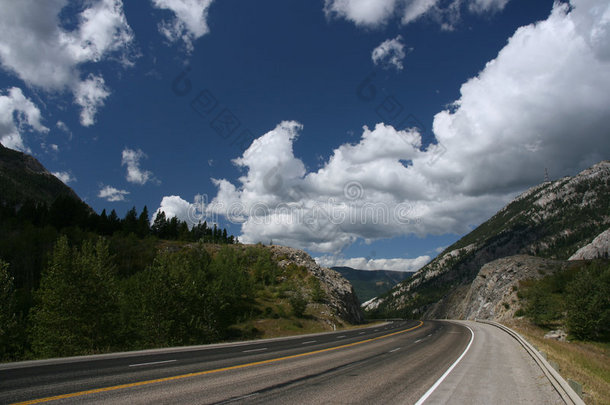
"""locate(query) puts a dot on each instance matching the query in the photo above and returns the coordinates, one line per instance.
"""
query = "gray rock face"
(558, 334)
(552, 220)
(493, 293)
(340, 296)
(599, 248)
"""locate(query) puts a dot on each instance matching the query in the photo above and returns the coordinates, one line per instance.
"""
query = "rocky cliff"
(599, 248)
(339, 293)
(552, 220)
(493, 293)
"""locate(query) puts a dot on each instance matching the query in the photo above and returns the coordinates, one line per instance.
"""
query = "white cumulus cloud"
(112, 194)
(365, 263)
(18, 115)
(36, 47)
(375, 13)
(390, 53)
(189, 21)
(548, 87)
(65, 177)
(131, 158)
(175, 206)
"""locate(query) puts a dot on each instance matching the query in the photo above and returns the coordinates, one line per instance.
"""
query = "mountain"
(23, 178)
(340, 298)
(372, 283)
(552, 221)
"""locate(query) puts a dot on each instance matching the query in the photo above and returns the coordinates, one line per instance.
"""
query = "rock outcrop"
(599, 248)
(340, 296)
(493, 293)
(552, 220)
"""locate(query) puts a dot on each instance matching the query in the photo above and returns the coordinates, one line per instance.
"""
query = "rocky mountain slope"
(340, 297)
(493, 293)
(552, 220)
(599, 248)
(23, 178)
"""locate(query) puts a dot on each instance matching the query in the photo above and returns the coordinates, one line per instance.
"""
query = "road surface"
(400, 362)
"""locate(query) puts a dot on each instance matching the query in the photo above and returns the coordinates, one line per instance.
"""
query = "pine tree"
(77, 302)
(159, 227)
(130, 222)
(8, 318)
(114, 223)
(143, 229)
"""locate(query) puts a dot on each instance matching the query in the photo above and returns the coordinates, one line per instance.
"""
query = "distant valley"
(369, 284)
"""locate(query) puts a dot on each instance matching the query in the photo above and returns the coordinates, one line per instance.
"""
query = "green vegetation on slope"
(190, 293)
(577, 299)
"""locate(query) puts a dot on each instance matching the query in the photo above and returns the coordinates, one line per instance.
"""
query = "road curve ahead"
(394, 363)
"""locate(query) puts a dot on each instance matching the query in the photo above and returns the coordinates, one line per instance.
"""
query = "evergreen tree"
(103, 224)
(8, 318)
(588, 298)
(77, 302)
(130, 222)
(160, 225)
(143, 228)
(114, 223)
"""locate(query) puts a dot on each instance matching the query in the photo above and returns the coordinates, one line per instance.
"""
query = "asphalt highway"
(399, 362)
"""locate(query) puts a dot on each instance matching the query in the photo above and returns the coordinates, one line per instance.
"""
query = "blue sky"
(253, 114)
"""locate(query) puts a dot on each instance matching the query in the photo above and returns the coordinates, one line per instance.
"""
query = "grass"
(585, 362)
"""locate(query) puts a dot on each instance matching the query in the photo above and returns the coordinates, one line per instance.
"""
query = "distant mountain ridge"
(24, 178)
(552, 220)
(372, 283)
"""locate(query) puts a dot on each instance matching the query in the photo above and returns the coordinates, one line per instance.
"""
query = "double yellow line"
(217, 370)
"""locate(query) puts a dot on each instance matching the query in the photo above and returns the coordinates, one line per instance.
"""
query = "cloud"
(37, 48)
(361, 12)
(548, 87)
(65, 177)
(131, 158)
(390, 53)
(481, 6)
(112, 194)
(174, 206)
(189, 22)
(364, 263)
(376, 13)
(18, 115)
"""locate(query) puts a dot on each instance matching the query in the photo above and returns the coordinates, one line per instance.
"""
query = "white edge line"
(151, 363)
(440, 380)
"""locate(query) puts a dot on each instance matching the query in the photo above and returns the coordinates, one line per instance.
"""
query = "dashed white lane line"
(308, 342)
(394, 350)
(255, 350)
(151, 363)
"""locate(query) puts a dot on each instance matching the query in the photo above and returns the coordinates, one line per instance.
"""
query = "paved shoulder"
(496, 370)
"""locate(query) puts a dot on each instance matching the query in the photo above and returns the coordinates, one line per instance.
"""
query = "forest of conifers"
(75, 282)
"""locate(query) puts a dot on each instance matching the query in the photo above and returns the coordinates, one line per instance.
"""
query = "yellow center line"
(199, 373)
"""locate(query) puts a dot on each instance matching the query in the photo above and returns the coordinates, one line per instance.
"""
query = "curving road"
(400, 362)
